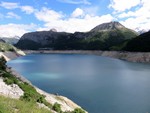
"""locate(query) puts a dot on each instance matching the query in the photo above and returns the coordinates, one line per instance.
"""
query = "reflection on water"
(98, 84)
(21, 61)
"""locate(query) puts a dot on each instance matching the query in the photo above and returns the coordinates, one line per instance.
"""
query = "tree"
(2, 63)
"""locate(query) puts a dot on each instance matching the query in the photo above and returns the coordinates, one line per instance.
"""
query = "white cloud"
(77, 12)
(9, 5)
(77, 24)
(137, 23)
(48, 15)
(12, 15)
(10, 30)
(122, 5)
(76, 1)
(12, 5)
(73, 23)
(134, 13)
(27, 9)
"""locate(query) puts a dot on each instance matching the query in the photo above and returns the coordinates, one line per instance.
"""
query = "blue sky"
(20, 16)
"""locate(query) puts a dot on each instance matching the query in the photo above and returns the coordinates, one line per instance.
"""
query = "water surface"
(98, 84)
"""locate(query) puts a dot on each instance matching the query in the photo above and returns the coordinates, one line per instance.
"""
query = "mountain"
(108, 26)
(141, 31)
(10, 40)
(139, 44)
(102, 37)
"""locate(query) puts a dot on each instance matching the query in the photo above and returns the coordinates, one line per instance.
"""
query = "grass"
(30, 93)
(9, 105)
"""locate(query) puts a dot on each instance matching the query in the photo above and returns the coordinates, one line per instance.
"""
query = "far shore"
(142, 57)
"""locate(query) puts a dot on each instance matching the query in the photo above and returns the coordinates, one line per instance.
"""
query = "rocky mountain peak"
(108, 26)
(53, 30)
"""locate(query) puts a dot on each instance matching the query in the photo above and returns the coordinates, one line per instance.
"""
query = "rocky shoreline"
(142, 57)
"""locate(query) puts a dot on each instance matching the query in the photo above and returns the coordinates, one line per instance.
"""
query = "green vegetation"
(2, 63)
(8, 105)
(119, 47)
(6, 47)
(56, 107)
(139, 44)
(78, 110)
(28, 44)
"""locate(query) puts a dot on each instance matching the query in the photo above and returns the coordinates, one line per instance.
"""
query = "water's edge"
(142, 57)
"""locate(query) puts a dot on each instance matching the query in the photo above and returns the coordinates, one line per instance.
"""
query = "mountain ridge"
(102, 37)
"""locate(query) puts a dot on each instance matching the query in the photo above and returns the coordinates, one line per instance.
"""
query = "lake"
(98, 84)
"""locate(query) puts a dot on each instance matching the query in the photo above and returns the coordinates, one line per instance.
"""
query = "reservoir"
(98, 84)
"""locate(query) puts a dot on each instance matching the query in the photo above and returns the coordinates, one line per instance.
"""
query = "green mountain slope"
(139, 44)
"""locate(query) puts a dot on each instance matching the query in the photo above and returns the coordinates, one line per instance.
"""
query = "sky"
(21, 16)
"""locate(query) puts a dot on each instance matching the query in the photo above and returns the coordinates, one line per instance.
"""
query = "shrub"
(2, 63)
(26, 97)
(8, 81)
(11, 49)
(56, 107)
(41, 99)
(78, 110)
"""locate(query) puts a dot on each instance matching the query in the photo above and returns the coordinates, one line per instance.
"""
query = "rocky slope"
(8, 51)
(102, 37)
(8, 55)
(13, 91)
(108, 26)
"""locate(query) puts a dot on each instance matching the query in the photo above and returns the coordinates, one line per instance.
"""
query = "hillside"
(6, 47)
(102, 37)
(139, 44)
(8, 51)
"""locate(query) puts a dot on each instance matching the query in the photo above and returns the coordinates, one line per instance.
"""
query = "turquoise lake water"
(98, 84)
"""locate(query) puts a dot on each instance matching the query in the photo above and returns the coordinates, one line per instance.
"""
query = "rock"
(12, 91)
(11, 55)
